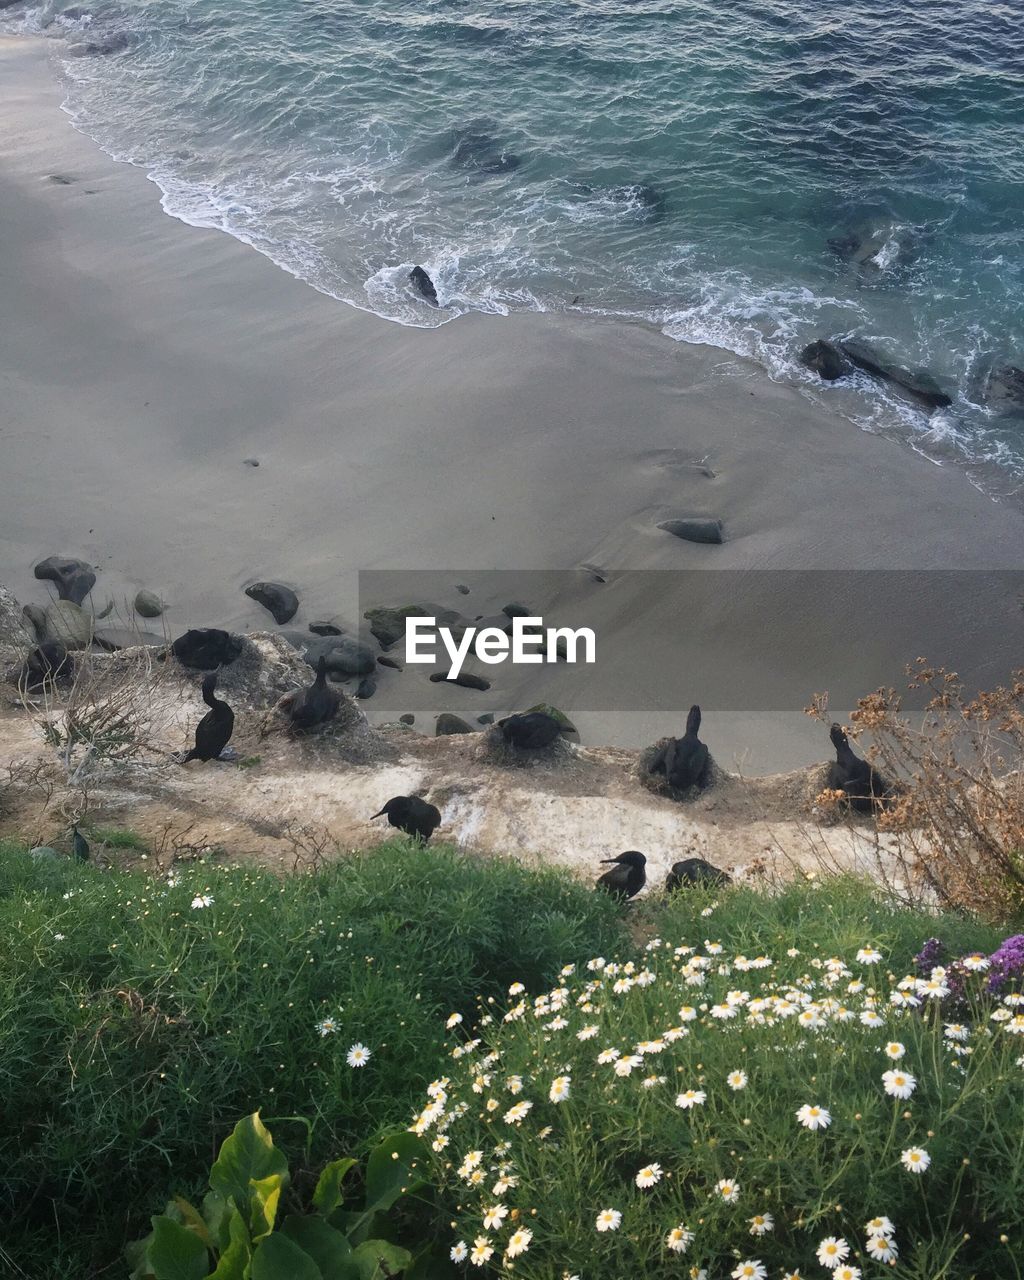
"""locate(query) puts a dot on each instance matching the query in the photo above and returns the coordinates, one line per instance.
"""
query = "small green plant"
(241, 1230)
(250, 762)
(118, 838)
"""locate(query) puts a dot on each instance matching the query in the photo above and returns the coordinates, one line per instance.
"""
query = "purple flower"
(1007, 963)
(930, 955)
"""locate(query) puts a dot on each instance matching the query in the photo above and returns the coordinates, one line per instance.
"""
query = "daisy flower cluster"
(756, 1115)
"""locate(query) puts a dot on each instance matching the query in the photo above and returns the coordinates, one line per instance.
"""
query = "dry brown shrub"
(958, 807)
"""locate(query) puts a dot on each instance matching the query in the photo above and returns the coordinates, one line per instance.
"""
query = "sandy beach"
(143, 361)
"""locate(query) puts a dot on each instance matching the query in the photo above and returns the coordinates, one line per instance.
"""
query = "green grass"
(117, 838)
(557, 1166)
(135, 1029)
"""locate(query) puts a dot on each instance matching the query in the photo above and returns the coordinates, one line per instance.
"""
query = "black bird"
(215, 728)
(47, 662)
(864, 786)
(627, 877)
(684, 761)
(317, 704)
(694, 871)
(531, 731)
(79, 844)
(416, 817)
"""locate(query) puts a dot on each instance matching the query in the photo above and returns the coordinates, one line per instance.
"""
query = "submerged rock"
(824, 359)
(424, 285)
(279, 600)
(920, 386)
(479, 151)
(1003, 390)
(74, 579)
(694, 529)
(207, 648)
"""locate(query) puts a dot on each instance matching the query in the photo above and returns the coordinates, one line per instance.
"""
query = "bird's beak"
(378, 815)
(604, 860)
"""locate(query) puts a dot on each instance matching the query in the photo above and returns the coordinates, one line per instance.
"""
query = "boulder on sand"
(694, 529)
(35, 620)
(68, 624)
(279, 600)
(148, 604)
(465, 678)
(824, 359)
(74, 579)
(207, 648)
(343, 655)
(448, 724)
(920, 386)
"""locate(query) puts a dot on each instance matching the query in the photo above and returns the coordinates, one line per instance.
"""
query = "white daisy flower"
(608, 1220)
(358, 1056)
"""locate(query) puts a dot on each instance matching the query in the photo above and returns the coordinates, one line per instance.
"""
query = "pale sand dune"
(141, 360)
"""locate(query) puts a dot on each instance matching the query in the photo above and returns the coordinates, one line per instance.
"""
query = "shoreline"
(145, 359)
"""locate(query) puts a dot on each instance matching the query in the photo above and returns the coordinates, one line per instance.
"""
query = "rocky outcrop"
(824, 359)
(280, 601)
(423, 285)
(74, 579)
(919, 386)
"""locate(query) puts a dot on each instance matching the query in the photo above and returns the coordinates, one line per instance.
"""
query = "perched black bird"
(627, 877)
(79, 844)
(47, 662)
(215, 728)
(684, 761)
(864, 786)
(531, 731)
(416, 817)
(694, 871)
(317, 704)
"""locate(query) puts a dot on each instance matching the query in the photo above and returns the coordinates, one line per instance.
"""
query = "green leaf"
(278, 1258)
(247, 1156)
(266, 1193)
(327, 1195)
(328, 1248)
(377, 1260)
(390, 1171)
(217, 1214)
(191, 1218)
(234, 1261)
(175, 1253)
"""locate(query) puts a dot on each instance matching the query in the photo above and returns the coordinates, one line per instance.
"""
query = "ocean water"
(680, 162)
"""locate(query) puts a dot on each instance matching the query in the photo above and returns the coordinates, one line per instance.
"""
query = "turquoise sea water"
(684, 162)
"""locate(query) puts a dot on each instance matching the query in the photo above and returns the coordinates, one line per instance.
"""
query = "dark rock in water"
(384, 661)
(694, 529)
(325, 629)
(694, 871)
(465, 678)
(116, 42)
(36, 619)
(423, 284)
(825, 360)
(281, 601)
(367, 688)
(645, 198)
(878, 248)
(448, 724)
(919, 386)
(48, 661)
(480, 152)
(68, 624)
(408, 718)
(462, 589)
(148, 604)
(206, 648)
(74, 579)
(517, 610)
(486, 718)
(1003, 391)
(114, 638)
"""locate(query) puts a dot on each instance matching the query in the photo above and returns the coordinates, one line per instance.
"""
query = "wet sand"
(143, 360)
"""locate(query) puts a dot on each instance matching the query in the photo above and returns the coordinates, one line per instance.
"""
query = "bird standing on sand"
(215, 728)
(684, 761)
(864, 786)
(317, 704)
(417, 818)
(627, 877)
(694, 871)
(530, 732)
(79, 844)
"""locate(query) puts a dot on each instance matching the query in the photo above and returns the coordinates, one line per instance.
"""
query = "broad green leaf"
(248, 1155)
(377, 1259)
(175, 1253)
(358, 1227)
(328, 1248)
(192, 1218)
(137, 1253)
(216, 1215)
(327, 1195)
(266, 1193)
(394, 1170)
(234, 1261)
(278, 1258)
